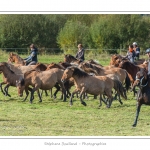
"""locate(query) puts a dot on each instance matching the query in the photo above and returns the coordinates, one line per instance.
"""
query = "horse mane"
(29, 72)
(127, 63)
(70, 56)
(95, 67)
(78, 72)
(40, 66)
(8, 67)
(65, 64)
(94, 62)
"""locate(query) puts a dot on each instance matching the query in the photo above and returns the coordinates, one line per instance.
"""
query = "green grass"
(53, 117)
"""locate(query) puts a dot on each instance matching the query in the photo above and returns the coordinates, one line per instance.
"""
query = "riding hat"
(134, 43)
(147, 51)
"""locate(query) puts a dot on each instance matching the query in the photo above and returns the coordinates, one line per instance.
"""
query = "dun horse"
(15, 58)
(9, 77)
(120, 73)
(97, 85)
(143, 96)
(44, 80)
(71, 59)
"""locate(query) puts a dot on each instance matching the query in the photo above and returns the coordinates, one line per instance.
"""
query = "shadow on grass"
(1, 119)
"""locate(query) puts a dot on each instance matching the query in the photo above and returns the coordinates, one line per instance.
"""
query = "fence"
(49, 51)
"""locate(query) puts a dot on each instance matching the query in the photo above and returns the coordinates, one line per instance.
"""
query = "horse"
(71, 59)
(130, 68)
(23, 69)
(120, 73)
(143, 96)
(116, 59)
(69, 83)
(44, 80)
(95, 85)
(15, 58)
(9, 77)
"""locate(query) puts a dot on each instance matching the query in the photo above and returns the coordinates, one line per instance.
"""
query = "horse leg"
(51, 91)
(2, 88)
(57, 89)
(46, 93)
(6, 90)
(95, 96)
(81, 93)
(102, 100)
(40, 98)
(110, 98)
(32, 94)
(119, 99)
(137, 114)
(27, 89)
(63, 90)
(75, 91)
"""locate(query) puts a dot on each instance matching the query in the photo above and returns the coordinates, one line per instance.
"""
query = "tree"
(72, 34)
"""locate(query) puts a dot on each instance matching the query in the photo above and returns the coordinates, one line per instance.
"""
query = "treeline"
(65, 31)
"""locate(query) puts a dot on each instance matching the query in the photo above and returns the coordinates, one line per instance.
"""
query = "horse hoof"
(40, 101)
(134, 125)
(107, 106)
(83, 103)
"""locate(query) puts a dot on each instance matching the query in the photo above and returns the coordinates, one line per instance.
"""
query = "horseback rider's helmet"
(147, 51)
(134, 43)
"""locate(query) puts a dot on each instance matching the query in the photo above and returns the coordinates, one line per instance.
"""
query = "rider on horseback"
(80, 53)
(137, 50)
(148, 53)
(32, 58)
(130, 54)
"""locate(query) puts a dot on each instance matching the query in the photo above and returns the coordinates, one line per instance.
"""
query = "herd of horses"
(88, 77)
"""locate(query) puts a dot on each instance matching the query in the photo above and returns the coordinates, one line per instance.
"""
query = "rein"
(141, 81)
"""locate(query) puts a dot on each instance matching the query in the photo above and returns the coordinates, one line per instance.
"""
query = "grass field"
(53, 117)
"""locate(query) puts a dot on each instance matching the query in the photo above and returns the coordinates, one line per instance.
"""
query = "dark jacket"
(32, 56)
(80, 55)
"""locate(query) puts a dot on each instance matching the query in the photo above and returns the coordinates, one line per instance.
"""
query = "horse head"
(67, 74)
(141, 79)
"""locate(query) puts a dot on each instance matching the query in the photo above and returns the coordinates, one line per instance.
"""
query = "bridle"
(141, 79)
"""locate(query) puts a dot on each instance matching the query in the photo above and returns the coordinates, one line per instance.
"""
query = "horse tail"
(119, 88)
(127, 81)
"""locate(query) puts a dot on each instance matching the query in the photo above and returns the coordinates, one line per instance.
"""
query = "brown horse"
(44, 80)
(71, 59)
(120, 73)
(143, 96)
(130, 68)
(97, 85)
(69, 83)
(9, 77)
(116, 59)
(15, 58)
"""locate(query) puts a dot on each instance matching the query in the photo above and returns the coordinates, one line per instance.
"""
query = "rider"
(80, 53)
(148, 54)
(130, 54)
(32, 58)
(137, 50)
